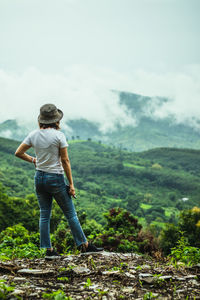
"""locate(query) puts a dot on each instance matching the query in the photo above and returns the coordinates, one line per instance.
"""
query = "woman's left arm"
(20, 152)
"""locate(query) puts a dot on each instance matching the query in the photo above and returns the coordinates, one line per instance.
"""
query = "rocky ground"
(99, 276)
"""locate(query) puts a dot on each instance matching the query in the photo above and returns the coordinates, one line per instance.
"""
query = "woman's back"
(46, 143)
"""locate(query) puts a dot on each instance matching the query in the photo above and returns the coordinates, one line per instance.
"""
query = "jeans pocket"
(52, 180)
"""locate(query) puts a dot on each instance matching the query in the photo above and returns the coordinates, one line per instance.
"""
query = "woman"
(51, 163)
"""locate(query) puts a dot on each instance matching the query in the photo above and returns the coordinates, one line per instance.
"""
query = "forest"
(126, 201)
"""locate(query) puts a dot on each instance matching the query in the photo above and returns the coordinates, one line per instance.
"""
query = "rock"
(194, 282)
(124, 256)
(129, 275)
(108, 254)
(19, 279)
(40, 289)
(94, 287)
(124, 276)
(132, 271)
(4, 277)
(111, 272)
(180, 291)
(166, 277)
(191, 276)
(145, 267)
(81, 270)
(128, 289)
(17, 292)
(180, 278)
(53, 258)
(33, 295)
(61, 285)
(147, 277)
(69, 258)
(150, 278)
(35, 272)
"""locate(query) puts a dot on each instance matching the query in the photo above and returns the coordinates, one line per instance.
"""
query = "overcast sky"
(78, 50)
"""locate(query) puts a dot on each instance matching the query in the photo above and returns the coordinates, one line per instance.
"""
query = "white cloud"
(79, 93)
(6, 134)
(85, 92)
(183, 90)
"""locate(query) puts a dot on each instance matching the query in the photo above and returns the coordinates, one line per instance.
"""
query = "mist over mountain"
(146, 130)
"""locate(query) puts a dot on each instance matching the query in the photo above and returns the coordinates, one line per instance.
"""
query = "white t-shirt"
(46, 143)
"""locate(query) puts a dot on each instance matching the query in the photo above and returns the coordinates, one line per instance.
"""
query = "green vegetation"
(186, 232)
(58, 295)
(183, 252)
(16, 241)
(6, 290)
(104, 180)
(115, 189)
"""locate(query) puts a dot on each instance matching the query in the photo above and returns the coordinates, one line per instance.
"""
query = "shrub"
(188, 227)
(120, 232)
(185, 253)
(16, 241)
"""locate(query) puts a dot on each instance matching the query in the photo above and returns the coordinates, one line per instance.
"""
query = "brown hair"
(52, 125)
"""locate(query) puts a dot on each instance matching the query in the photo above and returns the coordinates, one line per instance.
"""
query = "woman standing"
(51, 163)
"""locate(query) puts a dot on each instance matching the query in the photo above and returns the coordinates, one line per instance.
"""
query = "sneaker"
(89, 248)
(51, 254)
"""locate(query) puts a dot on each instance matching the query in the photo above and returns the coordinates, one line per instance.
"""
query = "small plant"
(101, 293)
(58, 295)
(159, 280)
(70, 267)
(148, 296)
(88, 283)
(114, 269)
(141, 284)
(117, 282)
(5, 290)
(63, 279)
(62, 269)
(92, 264)
(138, 267)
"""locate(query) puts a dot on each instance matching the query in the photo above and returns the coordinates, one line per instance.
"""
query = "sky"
(75, 52)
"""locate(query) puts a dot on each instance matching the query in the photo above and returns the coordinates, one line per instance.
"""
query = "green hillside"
(152, 185)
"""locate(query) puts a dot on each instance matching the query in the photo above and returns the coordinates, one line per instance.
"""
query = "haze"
(74, 53)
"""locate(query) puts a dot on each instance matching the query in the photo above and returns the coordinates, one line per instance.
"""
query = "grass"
(133, 166)
(142, 221)
(159, 224)
(145, 206)
(76, 141)
(170, 210)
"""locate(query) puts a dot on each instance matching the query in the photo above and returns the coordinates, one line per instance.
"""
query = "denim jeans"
(49, 186)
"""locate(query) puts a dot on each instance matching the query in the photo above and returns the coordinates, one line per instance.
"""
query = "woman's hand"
(34, 161)
(72, 190)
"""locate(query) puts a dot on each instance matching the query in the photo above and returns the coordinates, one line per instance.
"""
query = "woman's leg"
(66, 204)
(45, 204)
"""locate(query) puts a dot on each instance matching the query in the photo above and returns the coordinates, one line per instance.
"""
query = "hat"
(49, 114)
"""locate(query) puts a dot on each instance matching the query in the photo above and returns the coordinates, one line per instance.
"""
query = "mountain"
(149, 132)
(153, 185)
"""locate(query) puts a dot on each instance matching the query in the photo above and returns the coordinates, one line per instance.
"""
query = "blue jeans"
(49, 186)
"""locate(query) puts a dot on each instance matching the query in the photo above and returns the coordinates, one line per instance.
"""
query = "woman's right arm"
(67, 168)
(20, 152)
